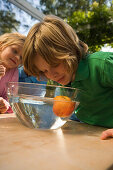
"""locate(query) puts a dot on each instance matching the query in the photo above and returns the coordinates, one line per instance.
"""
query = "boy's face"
(11, 56)
(58, 73)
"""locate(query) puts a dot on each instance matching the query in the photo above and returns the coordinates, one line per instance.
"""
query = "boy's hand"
(2, 70)
(106, 134)
(4, 105)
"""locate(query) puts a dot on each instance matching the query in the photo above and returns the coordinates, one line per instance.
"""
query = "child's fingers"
(4, 103)
(106, 134)
(3, 107)
(3, 110)
(2, 67)
(2, 70)
(1, 101)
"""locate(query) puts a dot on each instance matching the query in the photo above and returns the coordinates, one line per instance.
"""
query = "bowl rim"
(37, 84)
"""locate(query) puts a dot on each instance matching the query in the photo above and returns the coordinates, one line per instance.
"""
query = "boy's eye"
(43, 72)
(55, 65)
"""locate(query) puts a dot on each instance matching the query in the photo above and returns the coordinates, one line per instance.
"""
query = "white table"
(75, 146)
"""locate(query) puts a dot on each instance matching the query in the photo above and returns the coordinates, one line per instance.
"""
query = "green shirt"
(94, 78)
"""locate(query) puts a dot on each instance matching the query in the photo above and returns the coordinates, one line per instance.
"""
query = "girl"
(10, 58)
(52, 48)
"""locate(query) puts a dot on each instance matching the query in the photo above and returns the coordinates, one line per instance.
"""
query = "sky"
(23, 17)
(26, 19)
(107, 49)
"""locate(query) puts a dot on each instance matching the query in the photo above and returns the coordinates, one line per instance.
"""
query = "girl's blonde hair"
(9, 39)
(55, 41)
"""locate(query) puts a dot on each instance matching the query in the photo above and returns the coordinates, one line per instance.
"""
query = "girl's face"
(58, 73)
(11, 56)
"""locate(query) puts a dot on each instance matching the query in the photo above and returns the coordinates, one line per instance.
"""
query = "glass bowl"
(33, 103)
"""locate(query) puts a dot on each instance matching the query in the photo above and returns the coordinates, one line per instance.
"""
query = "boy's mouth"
(61, 79)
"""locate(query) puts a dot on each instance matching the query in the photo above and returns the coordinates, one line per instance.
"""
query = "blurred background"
(91, 19)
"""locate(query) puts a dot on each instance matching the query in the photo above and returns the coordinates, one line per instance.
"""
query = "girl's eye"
(15, 51)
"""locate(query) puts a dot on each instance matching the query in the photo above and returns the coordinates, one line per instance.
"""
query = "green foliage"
(8, 23)
(63, 8)
(94, 27)
(92, 19)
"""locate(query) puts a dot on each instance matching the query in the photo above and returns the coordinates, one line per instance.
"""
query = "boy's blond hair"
(9, 39)
(55, 41)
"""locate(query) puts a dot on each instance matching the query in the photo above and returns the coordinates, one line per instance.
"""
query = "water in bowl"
(35, 112)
